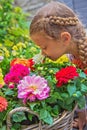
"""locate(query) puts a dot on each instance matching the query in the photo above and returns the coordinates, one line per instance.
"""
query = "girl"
(57, 31)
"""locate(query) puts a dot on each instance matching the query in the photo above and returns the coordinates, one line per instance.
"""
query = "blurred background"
(31, 6)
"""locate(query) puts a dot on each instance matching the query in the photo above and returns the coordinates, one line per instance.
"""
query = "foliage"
(57, 98)
(14, 34)
(12, 23)
(14, 43)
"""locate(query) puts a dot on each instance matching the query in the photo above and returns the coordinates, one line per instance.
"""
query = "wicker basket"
(63, 122)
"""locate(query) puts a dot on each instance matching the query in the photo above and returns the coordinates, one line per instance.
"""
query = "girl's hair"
(56, 17)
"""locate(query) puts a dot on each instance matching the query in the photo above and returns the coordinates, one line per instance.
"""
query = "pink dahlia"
(11, 78)
(20, 70)
(3, 104)
(32, 88)
(17, 72)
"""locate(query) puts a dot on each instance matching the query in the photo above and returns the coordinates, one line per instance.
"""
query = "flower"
(29, 63)
(19, 70)
(66, 74)
(1, 58)
(50, 87)
(21, 45)
(61, 60)
(32, 88)
(16, 73)
(1, 79)
(16, 52)
(78, 63)
(85, 71)
(3, 104)
(11, 85)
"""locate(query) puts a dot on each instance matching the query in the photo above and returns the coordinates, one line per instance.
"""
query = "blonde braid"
(42, 22)
(82, 48)
(83, 52)
(63, 21)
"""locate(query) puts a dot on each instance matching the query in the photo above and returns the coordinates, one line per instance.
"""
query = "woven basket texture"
(63, 122)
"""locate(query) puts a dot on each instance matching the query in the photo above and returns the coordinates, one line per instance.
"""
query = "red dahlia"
(85, 71)
(66, 74)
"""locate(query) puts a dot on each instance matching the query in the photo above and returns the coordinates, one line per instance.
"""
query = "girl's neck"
(74, 50)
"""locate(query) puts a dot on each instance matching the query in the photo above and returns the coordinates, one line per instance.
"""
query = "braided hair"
(56, 17)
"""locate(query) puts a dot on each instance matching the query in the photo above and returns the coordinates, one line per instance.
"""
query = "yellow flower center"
(34, 87)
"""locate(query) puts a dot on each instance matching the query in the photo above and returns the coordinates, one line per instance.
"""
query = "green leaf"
(16, 126)
(19, 116)
(48, 119)
(54, 97)
(3, 116)
(64, 95)
(56, 110)
(69, 101)
(71, 89)
(43, 103)
(78, 94)
(57, 95)
(30, 116)
(66, 105)
(9, 92)
(82, 75)
(83, 88)
(49, 108)
(32, 105)
(3, 127)
(1, 124)
(43, 114)
(81, 102)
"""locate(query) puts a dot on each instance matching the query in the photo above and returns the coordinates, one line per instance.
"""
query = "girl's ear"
(66, 37)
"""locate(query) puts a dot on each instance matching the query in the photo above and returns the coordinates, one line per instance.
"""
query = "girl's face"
(50, 47)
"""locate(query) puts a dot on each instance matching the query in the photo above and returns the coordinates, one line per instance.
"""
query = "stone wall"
(30, 6)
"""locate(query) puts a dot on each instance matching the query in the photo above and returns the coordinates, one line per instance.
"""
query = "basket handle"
(26, 109)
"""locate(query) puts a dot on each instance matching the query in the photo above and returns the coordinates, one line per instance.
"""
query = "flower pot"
(62, 122)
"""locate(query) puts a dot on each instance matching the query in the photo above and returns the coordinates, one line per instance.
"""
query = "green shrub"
(14, 34)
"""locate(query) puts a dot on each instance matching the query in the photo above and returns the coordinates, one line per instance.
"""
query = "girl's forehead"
(41, 36)
(39, 39)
